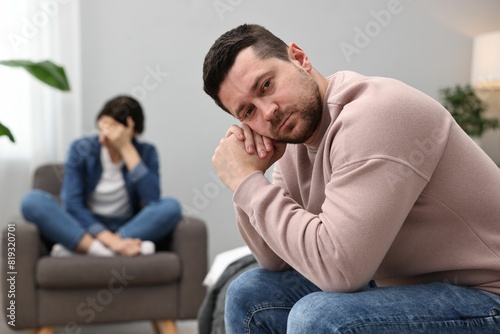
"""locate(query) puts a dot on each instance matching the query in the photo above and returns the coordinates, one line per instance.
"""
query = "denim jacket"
(83, 170)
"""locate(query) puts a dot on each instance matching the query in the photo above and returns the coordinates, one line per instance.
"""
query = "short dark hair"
(221, 56)
(122, 106)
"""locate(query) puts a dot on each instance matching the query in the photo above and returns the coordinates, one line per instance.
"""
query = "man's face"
(275, 98)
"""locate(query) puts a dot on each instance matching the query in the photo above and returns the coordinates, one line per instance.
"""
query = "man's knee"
(240, 299)
(252, 303)
(318, 312)
(241, 291)
(303, 315)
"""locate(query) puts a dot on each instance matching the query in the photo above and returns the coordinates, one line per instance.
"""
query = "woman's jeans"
(261, 301)
(154, 222)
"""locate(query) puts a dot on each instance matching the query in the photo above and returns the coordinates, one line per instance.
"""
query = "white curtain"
(42, 119)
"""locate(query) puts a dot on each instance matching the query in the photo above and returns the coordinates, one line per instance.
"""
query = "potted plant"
(467, 110)
(45, 71)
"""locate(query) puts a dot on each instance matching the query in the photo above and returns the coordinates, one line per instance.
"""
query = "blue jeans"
(261, 301)
(154, 222)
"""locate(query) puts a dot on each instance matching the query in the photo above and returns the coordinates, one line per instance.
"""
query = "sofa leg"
(165, 327)
(43, 330)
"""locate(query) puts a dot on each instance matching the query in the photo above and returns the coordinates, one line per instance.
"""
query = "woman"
(110, 193)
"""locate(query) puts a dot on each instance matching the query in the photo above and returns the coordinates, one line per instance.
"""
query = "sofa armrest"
(190, 242)
(22, 240)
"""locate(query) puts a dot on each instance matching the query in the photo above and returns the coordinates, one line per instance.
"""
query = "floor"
(184, 327)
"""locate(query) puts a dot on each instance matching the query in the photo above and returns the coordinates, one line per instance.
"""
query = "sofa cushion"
(82, 271)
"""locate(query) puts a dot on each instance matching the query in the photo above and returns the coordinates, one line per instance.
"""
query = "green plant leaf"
(4, 131)
(46, 71)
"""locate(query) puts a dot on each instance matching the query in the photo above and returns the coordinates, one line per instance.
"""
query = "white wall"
(424, 43)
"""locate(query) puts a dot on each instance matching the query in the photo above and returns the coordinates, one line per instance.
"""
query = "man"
(383, 215)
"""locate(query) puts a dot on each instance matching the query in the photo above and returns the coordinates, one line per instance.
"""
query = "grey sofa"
(79, 290)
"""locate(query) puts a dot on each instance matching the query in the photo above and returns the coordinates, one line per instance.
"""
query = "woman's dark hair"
(120, 108)
(221, 56)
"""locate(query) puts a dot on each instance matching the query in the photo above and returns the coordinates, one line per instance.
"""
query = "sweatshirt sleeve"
(341, 248)
(264, 255)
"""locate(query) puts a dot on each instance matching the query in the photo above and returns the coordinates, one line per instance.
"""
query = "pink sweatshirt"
(392, 189)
